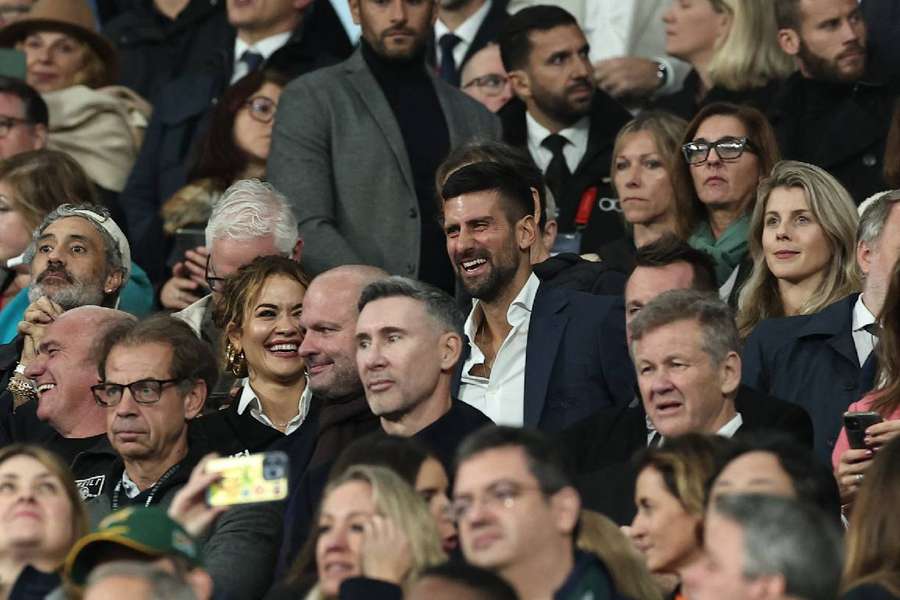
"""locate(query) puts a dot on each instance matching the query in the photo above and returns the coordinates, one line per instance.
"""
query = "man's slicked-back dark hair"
(544, 458)
(33, 104)
(514, 191)
(480, 583)
(670, 249)
(515, 45)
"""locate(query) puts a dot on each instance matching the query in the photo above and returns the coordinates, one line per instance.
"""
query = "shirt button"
(413, 213)
(870, 160)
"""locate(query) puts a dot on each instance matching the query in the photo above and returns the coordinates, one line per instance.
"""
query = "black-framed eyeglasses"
(262, 108)
(143, 391)
(7, 123)
(216, 284)
(491, 84)
(728, 148)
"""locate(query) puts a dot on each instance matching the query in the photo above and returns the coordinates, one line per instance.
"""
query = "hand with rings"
(850, 472)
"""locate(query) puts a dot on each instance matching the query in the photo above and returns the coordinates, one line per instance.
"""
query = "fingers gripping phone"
(249, 479)
(856, 423)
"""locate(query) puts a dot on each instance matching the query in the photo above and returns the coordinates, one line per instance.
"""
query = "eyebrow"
(275, 306)
(71, 237)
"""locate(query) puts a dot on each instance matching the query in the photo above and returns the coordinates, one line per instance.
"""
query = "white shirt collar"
(577, 136)
(862, 316)
(249, 400)
(519, 309)
(130, 488)
(266, 46)
(727, 430)
(468, 29)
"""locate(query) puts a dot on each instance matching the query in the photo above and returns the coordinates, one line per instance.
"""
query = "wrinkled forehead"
(67, 228)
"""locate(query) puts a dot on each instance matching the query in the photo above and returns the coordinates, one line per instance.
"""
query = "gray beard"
(72, 296)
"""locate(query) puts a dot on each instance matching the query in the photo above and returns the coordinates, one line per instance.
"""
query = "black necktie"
(448, 71)
(556, 175)
(252, 59)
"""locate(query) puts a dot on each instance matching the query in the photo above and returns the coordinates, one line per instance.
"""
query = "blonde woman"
(733, 48)
(645, 154)
(803, 245)
(371, 525)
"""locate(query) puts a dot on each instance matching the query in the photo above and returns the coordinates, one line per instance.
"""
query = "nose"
(668, 17)
(335, 538)
(850, 31)
(126, 407)
(632, 176)
(372, 357)
(660, 383)
(37, 366)
(582, 69)
(782, 232)
(308, 345)
(398, 11)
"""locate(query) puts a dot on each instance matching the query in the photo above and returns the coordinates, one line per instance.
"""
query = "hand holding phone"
(856, 423)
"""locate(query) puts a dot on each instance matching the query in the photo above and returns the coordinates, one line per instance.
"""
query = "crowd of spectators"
(494, 299)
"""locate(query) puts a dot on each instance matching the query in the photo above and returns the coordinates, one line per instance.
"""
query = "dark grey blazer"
(338, 155)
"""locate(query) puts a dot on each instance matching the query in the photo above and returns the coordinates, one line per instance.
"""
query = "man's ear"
(451, 349)
(297, 252)
(864, 256)
(566, 509)
(551, 228)
(114, 281)
(354, 10)
(521, 84)
(731, 373)
(789, 40)
(40, 136)
(195, 399)
(526, 232)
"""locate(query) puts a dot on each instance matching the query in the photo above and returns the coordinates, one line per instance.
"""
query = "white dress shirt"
(502, 396)
(249, 399)
(466, 32)
(727, 430)
(577, 135)
(265, 47)
(863, 341)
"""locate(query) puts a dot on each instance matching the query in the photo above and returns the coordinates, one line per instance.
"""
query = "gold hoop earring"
(235, 361)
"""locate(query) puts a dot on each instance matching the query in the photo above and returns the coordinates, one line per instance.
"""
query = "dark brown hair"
(888, 350)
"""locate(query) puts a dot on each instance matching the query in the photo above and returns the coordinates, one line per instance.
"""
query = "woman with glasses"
(42, 517)
(727, 149)
(484, 78)
(236, 146)
(733, 48)
(259, 314)
(803, 245)
(645, 154)
(670, 495)
(371, 524)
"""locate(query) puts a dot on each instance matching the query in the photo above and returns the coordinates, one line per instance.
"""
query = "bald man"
(65, 418)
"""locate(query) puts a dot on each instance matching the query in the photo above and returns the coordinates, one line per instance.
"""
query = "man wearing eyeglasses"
(23, 118)
(517, 513)
(154, 378)
(484, 78)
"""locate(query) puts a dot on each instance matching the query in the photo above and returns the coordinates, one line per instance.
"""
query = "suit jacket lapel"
(545, 331)
(370, 92)
(836, 322)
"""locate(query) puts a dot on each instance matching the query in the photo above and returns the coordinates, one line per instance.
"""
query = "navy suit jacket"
(809, 360)
(576, 361)
(600, 449)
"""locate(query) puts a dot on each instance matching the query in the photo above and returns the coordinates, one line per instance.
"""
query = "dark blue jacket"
(809, 360)
(576, 362)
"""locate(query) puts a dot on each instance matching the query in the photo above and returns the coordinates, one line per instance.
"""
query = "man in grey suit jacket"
(355, 148)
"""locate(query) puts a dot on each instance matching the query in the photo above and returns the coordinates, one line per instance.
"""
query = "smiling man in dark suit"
(537, 356)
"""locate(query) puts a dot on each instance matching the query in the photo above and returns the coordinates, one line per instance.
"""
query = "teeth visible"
(45, 386)
(286, 347)
(471, 264)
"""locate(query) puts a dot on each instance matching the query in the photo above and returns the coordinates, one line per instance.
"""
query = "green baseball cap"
(147, 530)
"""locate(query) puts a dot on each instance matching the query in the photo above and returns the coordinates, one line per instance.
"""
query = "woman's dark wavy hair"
(218, 156)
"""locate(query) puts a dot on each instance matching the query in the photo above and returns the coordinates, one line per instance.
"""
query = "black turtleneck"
(409, 90)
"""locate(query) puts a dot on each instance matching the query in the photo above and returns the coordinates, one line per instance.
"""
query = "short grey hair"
(785, 537)
(438, 304)
(874, 217)
(162, 585)
(251, 209)
(716, 320)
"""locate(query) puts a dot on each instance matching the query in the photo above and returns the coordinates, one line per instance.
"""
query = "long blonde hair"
(749, 56)
(834, 211)
(395, 499)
